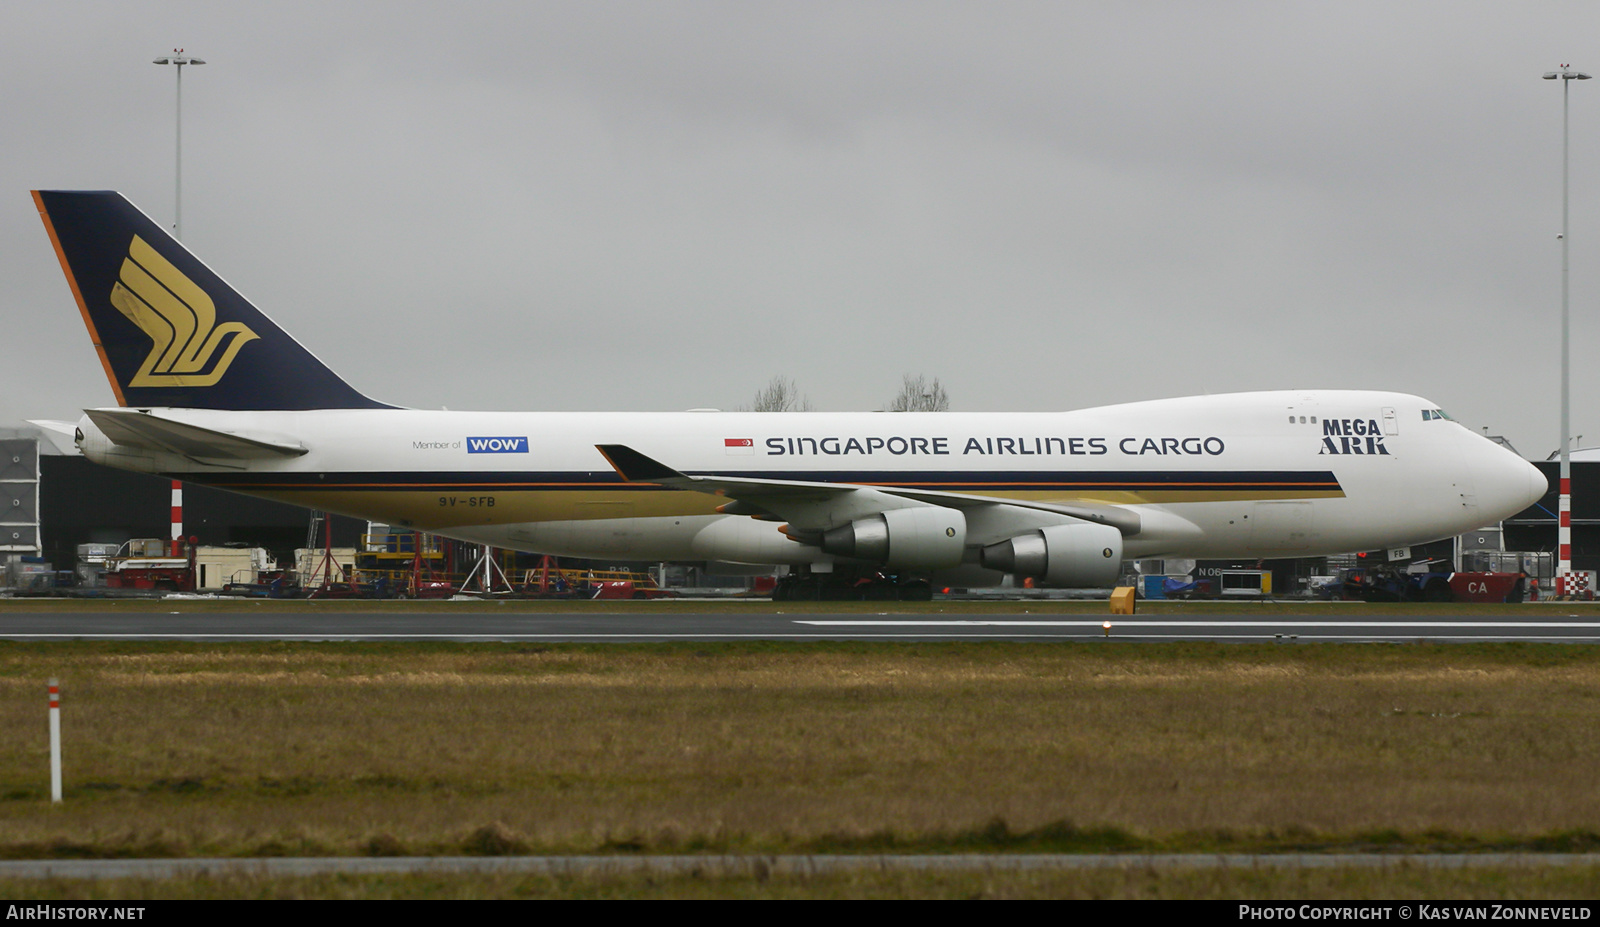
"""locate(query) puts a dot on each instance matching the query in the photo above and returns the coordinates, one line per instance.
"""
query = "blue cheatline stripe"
(1211, 481)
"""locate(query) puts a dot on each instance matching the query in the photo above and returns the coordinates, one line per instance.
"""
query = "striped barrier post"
(177, 516)
(55, 741)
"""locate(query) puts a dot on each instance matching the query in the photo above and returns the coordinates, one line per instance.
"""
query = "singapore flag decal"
(740, 447)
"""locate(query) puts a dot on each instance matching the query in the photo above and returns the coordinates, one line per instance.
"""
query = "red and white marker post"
(177, 516)
(55, 741)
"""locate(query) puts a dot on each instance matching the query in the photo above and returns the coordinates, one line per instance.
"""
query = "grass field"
(409, 749)
(1402, 883)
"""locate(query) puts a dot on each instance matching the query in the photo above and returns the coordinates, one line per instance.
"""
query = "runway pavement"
(1516, 623)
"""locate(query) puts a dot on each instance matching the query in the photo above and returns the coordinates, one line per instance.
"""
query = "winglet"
(635, 467)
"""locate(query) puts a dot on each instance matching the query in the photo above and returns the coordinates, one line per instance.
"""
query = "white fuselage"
(1272, 474)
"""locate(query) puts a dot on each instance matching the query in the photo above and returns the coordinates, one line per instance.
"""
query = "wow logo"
(518, 445)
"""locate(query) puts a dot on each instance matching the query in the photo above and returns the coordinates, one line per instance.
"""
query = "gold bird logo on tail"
(179, 318)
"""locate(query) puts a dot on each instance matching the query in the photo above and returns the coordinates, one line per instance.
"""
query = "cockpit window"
(1429, 415)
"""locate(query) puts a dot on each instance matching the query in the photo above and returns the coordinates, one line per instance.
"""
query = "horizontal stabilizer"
(61, 435)
(130, 428)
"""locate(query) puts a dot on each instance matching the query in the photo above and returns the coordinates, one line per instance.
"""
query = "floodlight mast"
(1564, 508)
(180, 59)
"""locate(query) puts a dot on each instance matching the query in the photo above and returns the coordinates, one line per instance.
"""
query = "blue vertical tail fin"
(171, 333)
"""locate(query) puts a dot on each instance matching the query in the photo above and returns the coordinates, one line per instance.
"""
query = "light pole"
(1564, 508)
(180, 59)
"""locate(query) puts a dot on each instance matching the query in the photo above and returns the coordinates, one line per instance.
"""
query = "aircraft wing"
(132, 428)
(795, 500)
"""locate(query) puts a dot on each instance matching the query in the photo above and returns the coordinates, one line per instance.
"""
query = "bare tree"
(780, 395)
(918, 394)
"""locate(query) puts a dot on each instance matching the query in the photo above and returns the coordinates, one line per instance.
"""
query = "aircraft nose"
(1507, 484)
(1537, 485)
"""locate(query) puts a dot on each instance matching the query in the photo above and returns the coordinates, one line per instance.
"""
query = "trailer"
(1488, 587)
(548, 580)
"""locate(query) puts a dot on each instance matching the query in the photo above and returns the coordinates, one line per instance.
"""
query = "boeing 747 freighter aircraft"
(210, 391)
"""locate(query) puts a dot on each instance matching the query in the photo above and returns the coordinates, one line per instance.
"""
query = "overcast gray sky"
(660, 205)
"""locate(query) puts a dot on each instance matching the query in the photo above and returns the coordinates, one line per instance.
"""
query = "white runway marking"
(1221, 622)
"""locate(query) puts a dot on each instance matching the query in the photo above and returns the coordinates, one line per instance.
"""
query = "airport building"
(1534, 528)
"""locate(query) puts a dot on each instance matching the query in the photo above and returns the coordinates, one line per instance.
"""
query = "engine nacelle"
(929, 537)
(1084, 555)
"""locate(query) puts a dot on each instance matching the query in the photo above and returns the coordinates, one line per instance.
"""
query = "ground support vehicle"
(1382, 584)
(142, 563)
(274, 586)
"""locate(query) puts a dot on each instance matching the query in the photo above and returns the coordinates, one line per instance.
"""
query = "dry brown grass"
(1393, 884)
(188, 749)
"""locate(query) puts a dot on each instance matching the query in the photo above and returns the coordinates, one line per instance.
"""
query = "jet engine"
(1084, 555)
(924, 538)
